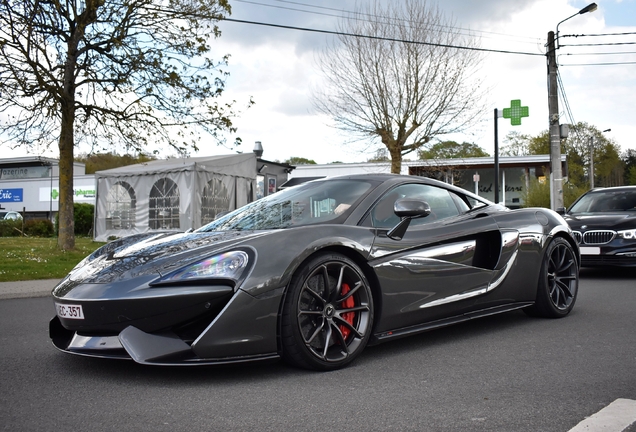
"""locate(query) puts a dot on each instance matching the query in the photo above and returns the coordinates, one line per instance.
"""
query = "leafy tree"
(540, 144)
(295, 160)
(516, 145)
(100, 72)
(452, 150)
(609, 168)
(629, 166)
(404, 85)
(103, 161)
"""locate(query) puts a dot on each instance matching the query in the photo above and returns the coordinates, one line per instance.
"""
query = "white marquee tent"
(174, 194)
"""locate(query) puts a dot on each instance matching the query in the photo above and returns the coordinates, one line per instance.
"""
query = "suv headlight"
(627, 234)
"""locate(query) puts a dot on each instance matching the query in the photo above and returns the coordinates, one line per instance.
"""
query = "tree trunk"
(66, 221)
(396, 158)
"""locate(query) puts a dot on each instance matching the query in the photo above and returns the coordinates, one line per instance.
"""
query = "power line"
(598, 53)
(564, 97)
(463, 30)
(380, 38)
(599, 64)
(601, 44)
(600, 34)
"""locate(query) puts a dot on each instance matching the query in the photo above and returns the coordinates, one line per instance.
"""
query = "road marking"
(615, 417)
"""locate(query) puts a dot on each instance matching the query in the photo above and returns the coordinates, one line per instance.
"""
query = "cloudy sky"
(277, 68)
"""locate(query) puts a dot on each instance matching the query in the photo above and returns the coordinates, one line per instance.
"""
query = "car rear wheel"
(327, 314)
(558, 281)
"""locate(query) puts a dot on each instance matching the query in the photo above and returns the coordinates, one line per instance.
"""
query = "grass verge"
(31, 258)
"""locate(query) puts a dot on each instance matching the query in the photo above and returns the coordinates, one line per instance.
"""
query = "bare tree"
(400, 78)
(106, 73)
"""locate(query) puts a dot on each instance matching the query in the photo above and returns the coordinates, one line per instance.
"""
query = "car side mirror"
(561, 211)
(411, 208)
(407, 209)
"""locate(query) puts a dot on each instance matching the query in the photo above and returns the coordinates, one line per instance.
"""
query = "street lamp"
(556, 180)
(589, 8)
(592, 159)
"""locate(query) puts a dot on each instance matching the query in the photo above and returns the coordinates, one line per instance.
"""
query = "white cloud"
(276, 67)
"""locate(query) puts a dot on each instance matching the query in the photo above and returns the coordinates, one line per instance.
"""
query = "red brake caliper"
(349, 316)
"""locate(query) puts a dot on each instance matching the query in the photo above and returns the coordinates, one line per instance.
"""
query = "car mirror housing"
(411, 208)
(561, 211)
(407, 209)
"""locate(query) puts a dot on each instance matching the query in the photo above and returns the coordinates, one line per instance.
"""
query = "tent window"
(215, 200)
(120, 206)
(163, 210)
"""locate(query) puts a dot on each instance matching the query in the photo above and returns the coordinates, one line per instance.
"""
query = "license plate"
(590, 250)
(69, 311)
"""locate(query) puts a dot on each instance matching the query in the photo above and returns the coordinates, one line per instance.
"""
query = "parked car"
(604, 223)
(10, 215)
(314, 273)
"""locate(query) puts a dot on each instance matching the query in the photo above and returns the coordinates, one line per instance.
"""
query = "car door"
(442, 263)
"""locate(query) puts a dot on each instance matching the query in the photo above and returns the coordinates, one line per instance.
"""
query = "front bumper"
(239, 329)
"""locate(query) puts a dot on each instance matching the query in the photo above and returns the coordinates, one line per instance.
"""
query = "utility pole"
(556, 176)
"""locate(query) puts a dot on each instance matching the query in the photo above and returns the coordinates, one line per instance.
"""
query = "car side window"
(440, 200)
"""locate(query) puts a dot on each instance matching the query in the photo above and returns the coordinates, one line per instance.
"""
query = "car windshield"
(306, 204)
(606, 201)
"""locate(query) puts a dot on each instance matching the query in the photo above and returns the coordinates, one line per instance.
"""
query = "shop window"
(120, 206)
(164, 205)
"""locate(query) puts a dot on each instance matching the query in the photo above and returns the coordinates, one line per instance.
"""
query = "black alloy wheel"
(327, 315)
(558, 281)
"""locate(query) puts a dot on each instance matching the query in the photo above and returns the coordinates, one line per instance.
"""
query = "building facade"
(30, 185)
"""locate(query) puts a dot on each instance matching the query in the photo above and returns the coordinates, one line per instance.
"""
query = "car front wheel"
(558, 281)
(327, 314)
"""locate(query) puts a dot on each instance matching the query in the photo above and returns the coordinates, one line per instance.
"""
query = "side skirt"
(408, 331)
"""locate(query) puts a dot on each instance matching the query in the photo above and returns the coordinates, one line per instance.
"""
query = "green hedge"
(10, 228)
(31, 228)
(83, 214)
(38, 228)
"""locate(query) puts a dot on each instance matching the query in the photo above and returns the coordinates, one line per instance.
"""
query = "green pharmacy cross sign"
(515, 112)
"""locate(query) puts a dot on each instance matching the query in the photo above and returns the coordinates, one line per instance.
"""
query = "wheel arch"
(358, 258)
(564, 234)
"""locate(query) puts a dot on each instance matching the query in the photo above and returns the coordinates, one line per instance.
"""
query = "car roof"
(613, 189)
(390, 179)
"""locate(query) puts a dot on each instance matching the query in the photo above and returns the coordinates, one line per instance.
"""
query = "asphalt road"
(502, 373)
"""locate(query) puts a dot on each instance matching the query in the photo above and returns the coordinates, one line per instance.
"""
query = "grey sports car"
(314, 273)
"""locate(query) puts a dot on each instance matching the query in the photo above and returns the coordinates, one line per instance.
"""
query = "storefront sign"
(11, 195)
(25, 172)
(80, 193)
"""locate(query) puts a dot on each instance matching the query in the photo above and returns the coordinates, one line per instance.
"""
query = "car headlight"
(627, 234)
(228, 265)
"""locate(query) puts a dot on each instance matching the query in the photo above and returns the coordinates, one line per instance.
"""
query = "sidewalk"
(23, 289)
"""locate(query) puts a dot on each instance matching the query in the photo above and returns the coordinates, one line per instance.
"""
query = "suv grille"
(598, 237)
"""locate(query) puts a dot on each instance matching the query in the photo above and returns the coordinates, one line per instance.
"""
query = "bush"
(38, 228)
(83, 214)
(10, 228)
(83, 218)
(538, 194)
